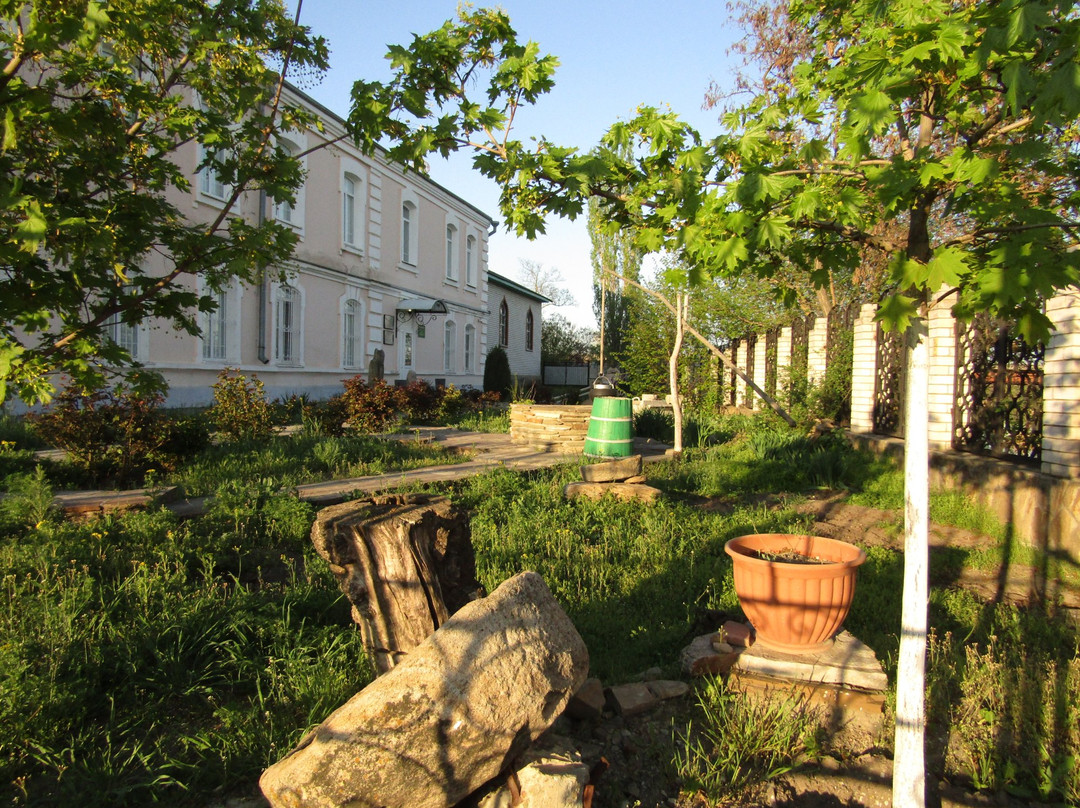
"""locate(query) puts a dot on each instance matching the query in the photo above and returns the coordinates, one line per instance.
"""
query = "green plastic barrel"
(609, 432)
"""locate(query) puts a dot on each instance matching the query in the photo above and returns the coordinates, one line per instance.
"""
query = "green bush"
(497, 375)
(114, 435)
(374, 407)
(241, 411)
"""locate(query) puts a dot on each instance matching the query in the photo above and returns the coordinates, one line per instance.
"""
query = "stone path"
(489, 451)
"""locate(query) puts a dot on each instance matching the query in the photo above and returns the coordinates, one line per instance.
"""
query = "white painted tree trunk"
(682, 304)
(909, 768)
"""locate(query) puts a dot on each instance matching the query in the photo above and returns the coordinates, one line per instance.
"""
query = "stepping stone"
(612, 470)
(631, 699)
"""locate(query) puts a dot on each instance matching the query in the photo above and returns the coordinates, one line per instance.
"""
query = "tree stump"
(406, 564)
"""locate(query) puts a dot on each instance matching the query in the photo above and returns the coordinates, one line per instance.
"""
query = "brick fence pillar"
(783, 359)
(942, 394)
(1061, 388)
(815, 350)
(761, 352)
(864, 370)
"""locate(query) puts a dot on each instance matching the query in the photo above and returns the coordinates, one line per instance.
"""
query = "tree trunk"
(682, 304)
(406, 564)
(909, 767)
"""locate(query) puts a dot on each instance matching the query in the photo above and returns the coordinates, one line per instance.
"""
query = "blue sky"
(613, 57)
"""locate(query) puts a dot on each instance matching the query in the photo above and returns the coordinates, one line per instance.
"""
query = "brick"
(630, 699)
(735, 633)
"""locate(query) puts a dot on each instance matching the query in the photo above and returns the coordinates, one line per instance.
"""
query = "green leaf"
(31, 231)
(731, 252)
(895, 312)
(10, 141)
(946, 268)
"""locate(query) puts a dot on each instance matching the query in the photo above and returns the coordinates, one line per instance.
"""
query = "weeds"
(739, 740)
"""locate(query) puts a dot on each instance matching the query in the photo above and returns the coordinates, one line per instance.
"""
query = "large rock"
(405, 562)
(458, 710)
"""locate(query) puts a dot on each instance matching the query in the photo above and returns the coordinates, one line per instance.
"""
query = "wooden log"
(406, 564)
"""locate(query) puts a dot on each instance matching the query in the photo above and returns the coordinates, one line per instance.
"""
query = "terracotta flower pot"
(794, 606)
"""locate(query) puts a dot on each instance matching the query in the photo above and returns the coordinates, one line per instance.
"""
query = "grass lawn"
(144, 659)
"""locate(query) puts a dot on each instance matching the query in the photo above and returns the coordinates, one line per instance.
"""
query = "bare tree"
(548, 281)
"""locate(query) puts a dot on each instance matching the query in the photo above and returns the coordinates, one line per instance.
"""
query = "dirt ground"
(638, 749)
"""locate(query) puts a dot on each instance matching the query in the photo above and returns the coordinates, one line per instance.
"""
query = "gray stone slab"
(848, 662)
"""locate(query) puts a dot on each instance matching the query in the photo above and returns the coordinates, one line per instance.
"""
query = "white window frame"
(215, 329)
(352, 308)
(452, 252)
(355, 173)
(212, 189)
(284, 212)
(410, 230)
(295, 333)
(450, 346)
(470, 347)
(470, 260)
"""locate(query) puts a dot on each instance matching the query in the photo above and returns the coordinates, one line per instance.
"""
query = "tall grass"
(144, 662)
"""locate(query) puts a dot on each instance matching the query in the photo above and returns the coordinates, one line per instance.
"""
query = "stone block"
(848, 661)
(665, 689)
(623, 491)
(736, 633)
(699, 658)
(616, 470)
(588, 702)
(552, 775)
(464, 703)
(631, 699)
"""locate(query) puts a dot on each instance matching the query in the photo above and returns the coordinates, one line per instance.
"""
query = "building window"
(449, 346)
(349, 187)
(287, 325)
(470, 261)
(213, 328)
(408, 233)
(351, 333)
(451, 253)
(504, 324)
(210, 182)
(291, 213)
(126, 335)
(529, 331)
(470, 348)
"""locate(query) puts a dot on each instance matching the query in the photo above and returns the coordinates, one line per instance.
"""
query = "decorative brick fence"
(1026, 414)
(550, 427)
(1004, 417)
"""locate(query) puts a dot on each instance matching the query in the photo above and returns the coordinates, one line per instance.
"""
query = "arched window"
(449, 346)
(351, 332)
(470, 261)
(470, 346)
(408, 232)
(529, 331)
(504, 324)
